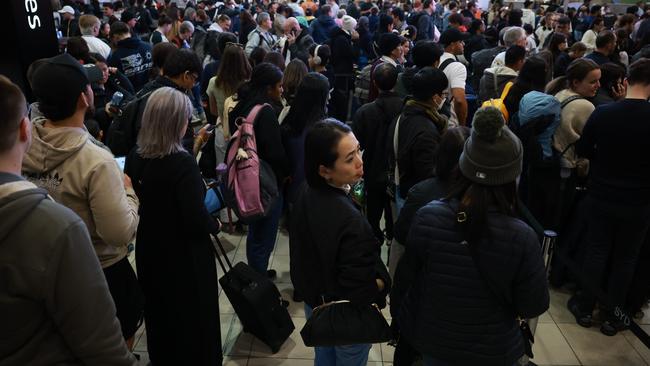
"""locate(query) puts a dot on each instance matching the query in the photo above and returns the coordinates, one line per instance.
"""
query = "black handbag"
(340, 323)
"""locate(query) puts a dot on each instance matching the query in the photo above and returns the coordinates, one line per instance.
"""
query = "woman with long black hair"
(264, 87)
(471, 267)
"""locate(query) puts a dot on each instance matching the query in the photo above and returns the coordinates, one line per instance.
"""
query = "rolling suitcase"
(256, 301)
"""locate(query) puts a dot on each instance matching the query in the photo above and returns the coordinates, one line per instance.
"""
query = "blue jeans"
(261, 238)
(352, 355)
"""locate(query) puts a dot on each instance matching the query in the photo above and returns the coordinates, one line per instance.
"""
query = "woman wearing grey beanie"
(471, 267)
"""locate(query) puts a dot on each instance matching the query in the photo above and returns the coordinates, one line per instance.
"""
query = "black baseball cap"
(62, 78)
(452, 35)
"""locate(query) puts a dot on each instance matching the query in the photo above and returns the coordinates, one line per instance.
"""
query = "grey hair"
(189, 12)
(262, 17)
(186, 26)
(341, 13)
(165, 116)
(513, 35)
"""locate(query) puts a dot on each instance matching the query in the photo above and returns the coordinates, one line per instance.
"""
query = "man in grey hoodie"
(496, 78)
(56, 307)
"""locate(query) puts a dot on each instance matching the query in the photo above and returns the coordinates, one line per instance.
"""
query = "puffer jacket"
(321, 28)
(442, 302)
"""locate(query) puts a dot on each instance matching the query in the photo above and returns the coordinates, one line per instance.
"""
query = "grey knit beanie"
(492, 155)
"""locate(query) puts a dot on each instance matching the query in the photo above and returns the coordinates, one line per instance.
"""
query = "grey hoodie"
(503, 75)
(84, 177)
(55, 307)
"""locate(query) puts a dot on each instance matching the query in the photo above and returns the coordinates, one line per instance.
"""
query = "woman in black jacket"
(264, 87)
(175, 264)
(471, 267)
(334, 253)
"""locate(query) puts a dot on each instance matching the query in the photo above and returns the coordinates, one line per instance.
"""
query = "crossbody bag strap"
(395, 146)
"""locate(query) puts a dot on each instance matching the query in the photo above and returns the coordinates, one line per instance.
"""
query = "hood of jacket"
(501, 70)
(52, 146)
(326, 21)
(130, 42)
(17, 199)
(537, 104)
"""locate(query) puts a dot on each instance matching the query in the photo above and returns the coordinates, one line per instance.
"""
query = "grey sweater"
(55, 307)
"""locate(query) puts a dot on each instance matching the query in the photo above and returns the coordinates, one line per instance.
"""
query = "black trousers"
(640, 286)
(615, 233)
(378, 204)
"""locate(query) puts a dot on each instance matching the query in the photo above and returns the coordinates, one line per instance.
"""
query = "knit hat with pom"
(492, 155)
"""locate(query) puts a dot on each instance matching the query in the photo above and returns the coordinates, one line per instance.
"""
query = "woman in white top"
(164, 26)
(589, 38)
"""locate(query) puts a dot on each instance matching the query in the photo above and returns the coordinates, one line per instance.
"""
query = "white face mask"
(441, 103)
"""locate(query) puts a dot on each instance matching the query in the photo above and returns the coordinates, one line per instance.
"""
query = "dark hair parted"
(180, 61)
(233, 70)
(321, 148)
(639, 72)
(604, 38)
(309, 104)
(515, 54)
(426, 53)
(385, 76)
(428, 82)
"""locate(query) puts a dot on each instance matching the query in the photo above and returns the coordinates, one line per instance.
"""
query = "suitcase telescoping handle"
(223, 251)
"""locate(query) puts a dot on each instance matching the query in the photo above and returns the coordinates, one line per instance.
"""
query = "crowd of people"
(430, 127)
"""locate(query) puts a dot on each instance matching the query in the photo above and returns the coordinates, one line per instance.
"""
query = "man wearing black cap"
(132, 56)
(391, 52)
(453, 42)
(83, 176)
(130, 18)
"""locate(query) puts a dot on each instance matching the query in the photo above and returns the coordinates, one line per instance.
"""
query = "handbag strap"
(506, 90)
(395, 146)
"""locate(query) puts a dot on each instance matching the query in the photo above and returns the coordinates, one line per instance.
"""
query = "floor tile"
(236, 342)
(225, 307)
(387, 352)
(545, 318)
(558, 309)
(375, 353)
(281, 264)
(282, 244)
(279, 362)
(636, 343)
(141, 342)
(296, 309)
(292, 347)
(550, 347)
(235, 361)
(596, 349)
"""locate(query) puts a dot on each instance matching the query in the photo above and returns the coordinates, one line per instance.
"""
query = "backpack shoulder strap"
(446, 63)
(569, 100)
(506, 90)
(252, 115)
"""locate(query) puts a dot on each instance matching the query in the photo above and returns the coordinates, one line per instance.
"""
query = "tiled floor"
(558, 340)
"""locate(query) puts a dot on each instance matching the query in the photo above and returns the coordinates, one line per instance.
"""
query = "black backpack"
(414, 18)
(123, 132)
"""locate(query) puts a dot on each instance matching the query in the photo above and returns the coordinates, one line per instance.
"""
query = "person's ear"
(324, 172)
(25, 130)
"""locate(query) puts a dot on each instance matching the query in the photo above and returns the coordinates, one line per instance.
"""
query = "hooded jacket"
(321, 28)
(503, 75)
(56, 307)
(536, 104)
(85, 178)
(134, 58)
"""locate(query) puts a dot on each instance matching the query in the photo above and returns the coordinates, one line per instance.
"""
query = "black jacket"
(133, 57)
(418, 196)
(343, 55)
(300, 48)
(371, 124)
(267, 136)
(417, 147)
(333, 251)
(442, 302)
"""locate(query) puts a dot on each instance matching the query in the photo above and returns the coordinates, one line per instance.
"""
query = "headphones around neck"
(317, 58)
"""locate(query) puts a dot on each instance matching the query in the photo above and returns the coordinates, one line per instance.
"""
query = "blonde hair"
(165, 116)
(86, 24)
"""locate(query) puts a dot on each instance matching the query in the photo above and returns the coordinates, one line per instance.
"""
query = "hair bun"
(488, 123)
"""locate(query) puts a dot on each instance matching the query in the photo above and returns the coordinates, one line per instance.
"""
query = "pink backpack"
(250, 186)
